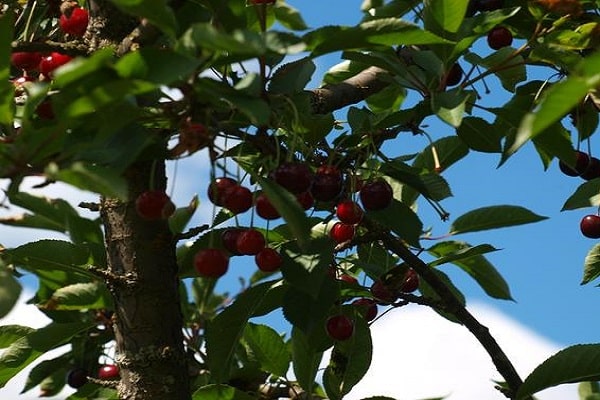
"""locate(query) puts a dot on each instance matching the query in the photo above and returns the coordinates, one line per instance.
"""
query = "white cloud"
(417, 355)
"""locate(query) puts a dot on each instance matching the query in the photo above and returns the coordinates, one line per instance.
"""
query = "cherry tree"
(103, 95)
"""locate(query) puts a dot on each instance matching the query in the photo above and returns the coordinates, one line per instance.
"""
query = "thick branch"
(454, 306)
(352, 90)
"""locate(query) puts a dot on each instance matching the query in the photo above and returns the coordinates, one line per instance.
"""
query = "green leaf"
(24, 351)
(159, 66)
(402, 220)
(449, 14)
(288, 207)
(470, 259)
(10, 290)
(81, 296)
(289, 17)
(292, 77)
(450, 106)
(49, 255)
(93, 178)
(493, 217)
(349, 362)
(268, 348)
(449, 150)
(383, 31)
(429, 184)
(7, 90)
(576, 363)
(11, 333)
(45, 369)
(183, 215)
(586, 195)
(220, 392)
(156, 11)
(224, 332)
(428, 291)
(306, 360)
(480, 135)
(559, 100)
(591, 265)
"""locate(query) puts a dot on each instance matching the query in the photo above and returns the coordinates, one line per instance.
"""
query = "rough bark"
(142, 276)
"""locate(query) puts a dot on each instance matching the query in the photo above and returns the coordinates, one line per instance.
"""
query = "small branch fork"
(452, 305)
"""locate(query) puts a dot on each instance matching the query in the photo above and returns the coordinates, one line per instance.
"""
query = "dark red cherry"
(367, 307)
(229, 238)
(268, 260)
(590, 226)
(582, 161)
(593, 169)
(237, 199)
(341, 232)
(499, 37)
(217, 188)
(211, 263)
(376, 195)
(264, 207)
(250, 242)
(340, 327)
(294, 176)
(349, 212)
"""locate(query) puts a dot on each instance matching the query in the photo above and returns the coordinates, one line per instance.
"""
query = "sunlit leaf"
(268, 348)
(586, 195)
(449, 14)
(156, 11)
(220, 392)
(591, 266)
(10, 290)
(577, 363)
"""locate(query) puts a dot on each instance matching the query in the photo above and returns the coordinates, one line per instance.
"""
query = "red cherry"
(339, 327)
(108, 371)
(593, 169)
(327, 183)
(250, 242)
(44, 110)
(382, 293)
(348, 279)
(229, 238)
(49, 63)
(411, 281)
(376, 195)
(211, 263)
(268, 260)
(341, 232)
(217, 188)
(499, 37)
(265, 209)
(454, 75)
(367, 307)
(154, 204)
(582, 161)
(306, 200)
(349, 212)
(237, 199)
(296, 177)
(26, 60)
(77, 377)
(75, 23)
(590, 226)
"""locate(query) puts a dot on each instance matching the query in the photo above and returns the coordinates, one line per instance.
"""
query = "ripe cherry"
(593, 169)
(582, 161)
(411, 281)
(27, 61)
(50, 63)
(339, 327)
(44, 110)
(376, 195)
(590, 226)
(499, 37)
(265, 209)
(229, 238)
(294, 176)
(74, 23)
(77, 377)
(306, 200)
(349, 212)
(382, 292)
(108, 371)
(250, 242)
(154, 204)
(217, 189)
(341, 232)
(268, 260)
(211, 263)
(327, 183)
(237, 199)
(454, 75)
(344, 277)
(367, 307)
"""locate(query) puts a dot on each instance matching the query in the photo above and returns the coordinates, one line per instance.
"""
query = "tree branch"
(454, 306)
(352, 90)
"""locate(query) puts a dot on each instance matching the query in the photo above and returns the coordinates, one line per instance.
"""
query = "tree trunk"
(142, 277)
